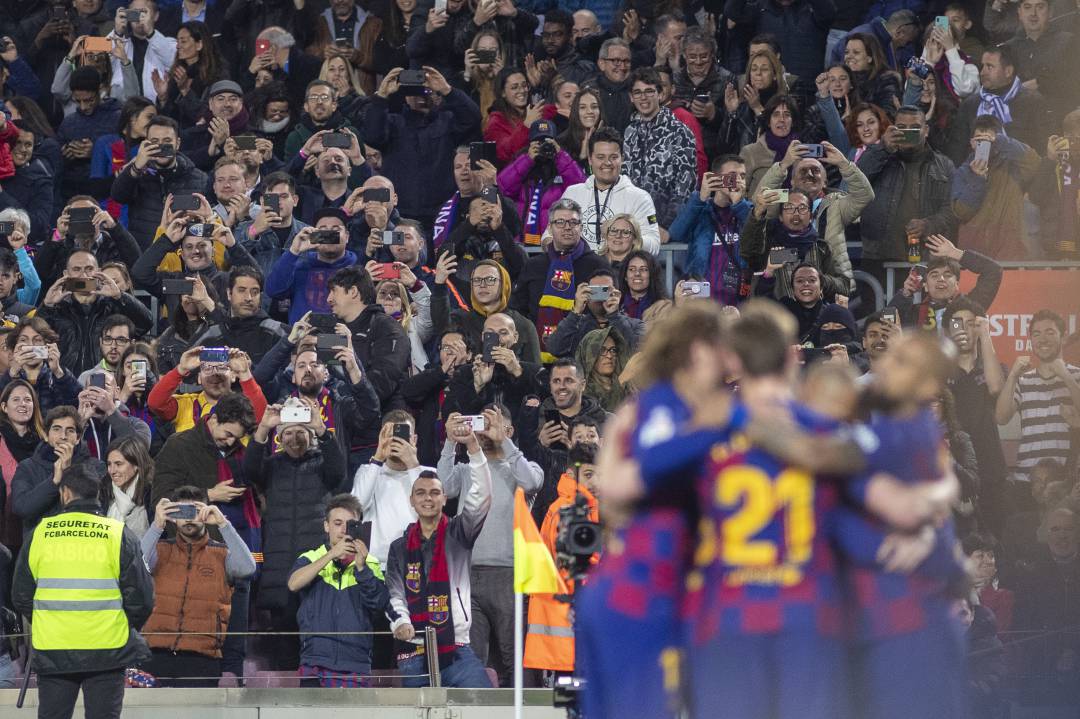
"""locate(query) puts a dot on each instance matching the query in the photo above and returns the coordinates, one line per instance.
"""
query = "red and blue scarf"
(326, 411)
(428, 596)
(559, 290)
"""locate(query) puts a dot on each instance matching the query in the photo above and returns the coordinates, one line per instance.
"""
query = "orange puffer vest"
(191, 595)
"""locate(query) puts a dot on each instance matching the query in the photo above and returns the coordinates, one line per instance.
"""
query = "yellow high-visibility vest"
(75, 560)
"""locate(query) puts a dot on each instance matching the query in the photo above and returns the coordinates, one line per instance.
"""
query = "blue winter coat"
(694, 226)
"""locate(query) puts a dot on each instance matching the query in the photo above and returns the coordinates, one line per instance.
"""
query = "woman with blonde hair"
(340, 73)
(478, 78)
(764, 80)
(411, 309)
(620, 236)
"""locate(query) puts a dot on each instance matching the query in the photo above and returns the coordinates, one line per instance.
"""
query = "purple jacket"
(513, 184)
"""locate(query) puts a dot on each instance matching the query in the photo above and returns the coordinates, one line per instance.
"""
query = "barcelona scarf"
(558, 296)
(428, 597)
(325, 411)
(532, 216)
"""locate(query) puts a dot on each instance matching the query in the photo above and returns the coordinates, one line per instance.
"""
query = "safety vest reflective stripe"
(551, 631)
(77, 605)
(55, 583)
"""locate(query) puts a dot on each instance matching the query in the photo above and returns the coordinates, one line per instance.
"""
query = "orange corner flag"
(534, 569)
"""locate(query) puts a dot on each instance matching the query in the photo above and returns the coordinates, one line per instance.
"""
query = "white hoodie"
(623, 197)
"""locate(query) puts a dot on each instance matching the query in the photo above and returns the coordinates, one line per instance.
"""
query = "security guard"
(82, 580)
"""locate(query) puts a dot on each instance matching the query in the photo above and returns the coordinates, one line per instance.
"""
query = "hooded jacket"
(661, 158)
(623, 196)
(80, 326)
(255, 334)
(145, 193)
(295, 491)
(136, 590)
(515, 182)
(33, 494)
(572, 329)
(588, 352)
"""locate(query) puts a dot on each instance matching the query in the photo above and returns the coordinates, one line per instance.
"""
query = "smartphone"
(177, 287)
(214, 355)
(783, 255)
(79, 284)
(138, 369)
(440, 5)
(244, 142)
(326, 347)
(102, 45)
(697, 289)
(337, 139)
(402, 430)
(342, 42)
(296, 414)
(486, 57)
(181, 203)
(389, 271)
(920, 270)
(942, 22)
(890, 314)
(476, 422)
(38, 352)
(133, 15)
(956, 325)
(982, 151)
(393, 237)
(6, 228)
(97, 379)
(490, 194)
(491, 341)
(911, 136)
(166, 149)
(325, 237)
(481, 151)
(703, 99)
(553, 416)
(358, 530)
(377, 194)
(781, 196)
(183, 511)
(81, 221)
(599, 293)
(201, 229)
(262, 47)
(324, 322)
(411, 78)
(59, 12)
(813, 150)
(272, 203)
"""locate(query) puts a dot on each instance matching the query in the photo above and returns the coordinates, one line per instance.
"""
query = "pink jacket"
(513, 184)
(11, 535)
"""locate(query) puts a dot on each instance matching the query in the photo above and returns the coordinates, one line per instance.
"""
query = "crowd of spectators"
(401, 255)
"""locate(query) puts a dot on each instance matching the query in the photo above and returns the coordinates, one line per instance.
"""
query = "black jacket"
(136, 589)
(145, 275)
(421, 393)
(117, 245)
(503, 388)
(254, 335)
(31, 189)
(145, 194)
(33, 494)
(79, 326)
(296, 491)
(384, 352)
(530, 285)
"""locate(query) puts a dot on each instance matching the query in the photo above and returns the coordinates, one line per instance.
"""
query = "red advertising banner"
(1023, 292)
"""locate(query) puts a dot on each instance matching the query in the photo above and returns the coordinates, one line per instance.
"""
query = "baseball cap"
(542, 129)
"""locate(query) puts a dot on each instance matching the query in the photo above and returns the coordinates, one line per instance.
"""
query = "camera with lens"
(547, 150)
(578, 539)
(918, 66)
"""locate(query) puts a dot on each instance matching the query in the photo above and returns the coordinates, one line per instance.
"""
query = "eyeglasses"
(118, 341)
(484, 281)
(613, 232)
(609, 351)
(648, 92)
(797, 209)
(320, 98)
(563, 224)
(387, 296)
(617, 60)
(637, 270)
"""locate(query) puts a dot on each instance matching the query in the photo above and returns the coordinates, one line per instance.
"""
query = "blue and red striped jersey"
(764, 563)
(891, 604)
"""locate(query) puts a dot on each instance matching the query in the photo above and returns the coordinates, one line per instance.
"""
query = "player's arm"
(909, 506)
(832, 453)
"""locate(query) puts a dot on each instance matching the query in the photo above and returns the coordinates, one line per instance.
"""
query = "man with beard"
(302, 275)
(187, 409)
(558, 43)
(104, 237)
(492, 573)
(194, 577)
(483, 236)
(942, 284)
(272, 231)
(348, 404)
(105, 418)
(333, 167)
(254, 162)
(226, 116)
(233, 204)
(117, 334)
(78, 315)
(320, 113)
(469, 183)
(332, 580)
(424, 135)
(505, 379)
(246, 326)
(912, 184)
(1047, 396)
(761, 239)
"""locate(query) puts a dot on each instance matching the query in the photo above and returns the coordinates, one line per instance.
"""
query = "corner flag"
(534, 568)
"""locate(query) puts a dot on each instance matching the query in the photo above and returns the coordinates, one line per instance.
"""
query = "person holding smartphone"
(194, 580)
(328, 584)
